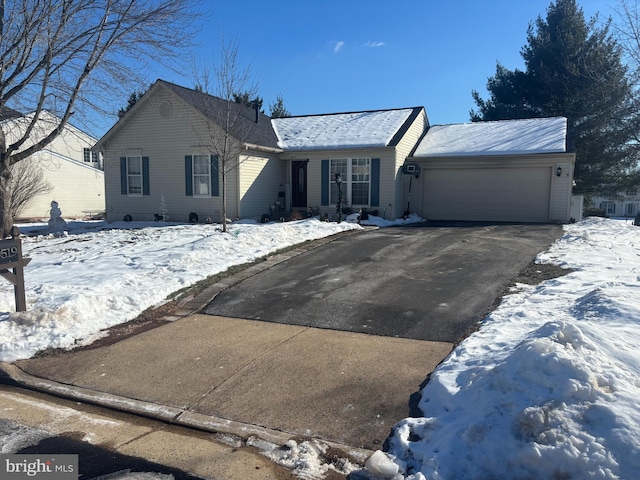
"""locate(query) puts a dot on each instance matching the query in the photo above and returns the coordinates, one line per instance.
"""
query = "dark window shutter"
(215, 176)
(123, 175)
(375, 182)
(145, 175)
(325, 182)
(188, 175)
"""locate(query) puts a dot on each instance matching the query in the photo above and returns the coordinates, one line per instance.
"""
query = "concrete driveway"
(425, 283)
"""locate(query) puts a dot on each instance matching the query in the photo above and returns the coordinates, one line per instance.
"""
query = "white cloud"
(338, 46)
(371, 44)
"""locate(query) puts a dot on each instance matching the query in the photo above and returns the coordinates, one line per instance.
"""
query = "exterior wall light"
(558, 171)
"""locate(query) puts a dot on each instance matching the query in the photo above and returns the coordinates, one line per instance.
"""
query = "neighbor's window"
(89, 156)
(134, 175)
(201, 175)
(631, 209)
(356, 180)
(608, 207)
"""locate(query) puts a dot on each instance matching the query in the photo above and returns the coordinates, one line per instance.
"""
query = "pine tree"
(277, 109)
(244, 98)
(133, 99)
(574, 69)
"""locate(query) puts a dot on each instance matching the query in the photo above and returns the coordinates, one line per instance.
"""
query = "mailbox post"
(11, 258)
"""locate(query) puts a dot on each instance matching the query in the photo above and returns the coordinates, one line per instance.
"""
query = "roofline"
(493, 157)
(499, 121)
(68, 159)
(406, 125)
(349, 113)
(125, 118)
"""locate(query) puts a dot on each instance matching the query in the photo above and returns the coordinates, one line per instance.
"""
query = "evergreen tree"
(277, 109)
(244, 98)
(133, 99)
(574, 69)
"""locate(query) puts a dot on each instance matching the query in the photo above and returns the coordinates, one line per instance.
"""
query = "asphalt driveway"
(425, 283)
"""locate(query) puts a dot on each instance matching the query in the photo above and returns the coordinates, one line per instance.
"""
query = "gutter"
(262, 148)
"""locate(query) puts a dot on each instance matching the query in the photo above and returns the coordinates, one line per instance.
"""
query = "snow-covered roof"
(504, 137)
(342, 130)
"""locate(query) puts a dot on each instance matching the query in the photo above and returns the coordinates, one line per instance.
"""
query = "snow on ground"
(98, 274)
(549, 387)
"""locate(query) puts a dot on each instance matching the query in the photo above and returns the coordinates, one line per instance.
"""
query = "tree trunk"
(224, 198)
(6, 219)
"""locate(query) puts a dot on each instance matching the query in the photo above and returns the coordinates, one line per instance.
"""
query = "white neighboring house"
(620, 204)
(69, 165)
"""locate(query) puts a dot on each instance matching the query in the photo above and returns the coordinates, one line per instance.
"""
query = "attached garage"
(508, 171)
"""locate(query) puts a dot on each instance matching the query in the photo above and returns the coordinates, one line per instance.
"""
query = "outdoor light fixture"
(338, 178)
(558, 171)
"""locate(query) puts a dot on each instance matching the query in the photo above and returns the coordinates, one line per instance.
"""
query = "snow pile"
(549, 387)
(375, 221)
(100, 275)
(305, 459)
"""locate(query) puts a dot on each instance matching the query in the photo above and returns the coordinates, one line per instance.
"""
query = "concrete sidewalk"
(248, 378)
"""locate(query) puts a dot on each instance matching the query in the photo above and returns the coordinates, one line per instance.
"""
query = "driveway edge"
(11, 374)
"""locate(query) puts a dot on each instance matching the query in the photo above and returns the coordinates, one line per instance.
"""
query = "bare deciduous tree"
(26, 181)
(79, 56)
(626, 26)
(227, 125)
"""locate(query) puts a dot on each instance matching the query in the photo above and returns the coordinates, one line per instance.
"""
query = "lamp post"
(339, 204)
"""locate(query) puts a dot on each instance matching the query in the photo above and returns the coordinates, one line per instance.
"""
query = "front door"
(299, 183)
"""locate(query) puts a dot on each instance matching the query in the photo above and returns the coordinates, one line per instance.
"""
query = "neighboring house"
(161, 158)
(506, 171)
(622, 204)
(69, 164)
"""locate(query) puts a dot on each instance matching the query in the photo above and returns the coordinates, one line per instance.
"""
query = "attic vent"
(165, 109)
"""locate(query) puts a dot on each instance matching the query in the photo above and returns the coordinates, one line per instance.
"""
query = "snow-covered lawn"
(548, 387)
(98, 274)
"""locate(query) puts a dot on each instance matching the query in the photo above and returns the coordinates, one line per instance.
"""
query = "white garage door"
(487, 194)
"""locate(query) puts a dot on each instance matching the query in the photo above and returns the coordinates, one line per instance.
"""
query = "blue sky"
(348, 55)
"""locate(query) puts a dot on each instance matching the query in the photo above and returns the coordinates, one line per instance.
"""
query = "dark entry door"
(299, 183)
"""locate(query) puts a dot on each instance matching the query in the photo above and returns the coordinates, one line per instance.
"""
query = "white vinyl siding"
(166, 141)
(261, 178)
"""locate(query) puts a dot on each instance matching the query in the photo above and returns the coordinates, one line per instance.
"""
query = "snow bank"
(549, 387)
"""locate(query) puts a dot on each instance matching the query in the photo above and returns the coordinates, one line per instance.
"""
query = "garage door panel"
(497, 194)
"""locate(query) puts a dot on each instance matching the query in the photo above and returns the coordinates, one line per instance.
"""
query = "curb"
(11, 374)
